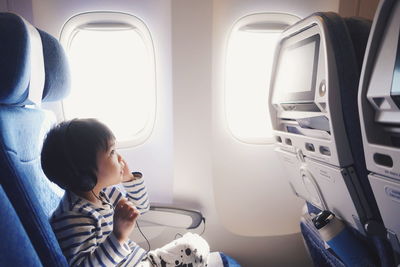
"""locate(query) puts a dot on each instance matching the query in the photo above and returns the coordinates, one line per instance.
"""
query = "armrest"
(168, 215)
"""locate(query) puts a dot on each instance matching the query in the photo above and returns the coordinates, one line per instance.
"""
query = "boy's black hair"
(71, 148)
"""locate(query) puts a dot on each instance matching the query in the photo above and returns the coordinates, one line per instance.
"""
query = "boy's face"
(110, 166)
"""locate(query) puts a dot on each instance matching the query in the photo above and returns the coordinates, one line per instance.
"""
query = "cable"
(137, 223)
(102, 201)
(148, 243)
(96, 196)
(177, 235)
(204, 229)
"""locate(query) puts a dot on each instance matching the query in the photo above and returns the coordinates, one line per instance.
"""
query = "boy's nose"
(121, 162)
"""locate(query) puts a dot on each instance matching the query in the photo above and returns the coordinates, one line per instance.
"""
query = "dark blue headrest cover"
(14, 59)
(57, 81)
(15, 63)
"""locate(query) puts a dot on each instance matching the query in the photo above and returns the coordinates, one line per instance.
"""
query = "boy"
(93, 220)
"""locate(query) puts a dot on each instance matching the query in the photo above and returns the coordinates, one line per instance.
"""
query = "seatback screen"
(297, 69)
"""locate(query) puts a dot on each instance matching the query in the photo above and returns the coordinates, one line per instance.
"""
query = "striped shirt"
(84, 229)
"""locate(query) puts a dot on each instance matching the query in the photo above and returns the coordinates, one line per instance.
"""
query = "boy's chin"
(116, 181)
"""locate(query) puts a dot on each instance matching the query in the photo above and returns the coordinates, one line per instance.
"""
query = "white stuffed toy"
(190, 250)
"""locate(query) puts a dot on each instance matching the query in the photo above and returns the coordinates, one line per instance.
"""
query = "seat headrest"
(359, 29)
(355, 29)
(32, 64)
(57, 73)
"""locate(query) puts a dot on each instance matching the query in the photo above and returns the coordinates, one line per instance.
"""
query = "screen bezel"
(290, 43)
(394, 90)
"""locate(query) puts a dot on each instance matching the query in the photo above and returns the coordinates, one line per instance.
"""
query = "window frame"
(257, 22)
(111, 19)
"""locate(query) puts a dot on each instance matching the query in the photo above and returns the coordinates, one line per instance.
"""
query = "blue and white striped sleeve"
(78, 236)
(114, 194)
(136, 192)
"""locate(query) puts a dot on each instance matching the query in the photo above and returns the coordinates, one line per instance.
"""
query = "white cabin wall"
(21, 7)
(191, 50)
(367, 8)
(359, 8)
(3, 6)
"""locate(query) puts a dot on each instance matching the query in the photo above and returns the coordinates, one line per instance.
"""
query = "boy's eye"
(112, 152)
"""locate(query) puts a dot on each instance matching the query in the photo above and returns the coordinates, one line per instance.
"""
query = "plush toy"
(190, 250)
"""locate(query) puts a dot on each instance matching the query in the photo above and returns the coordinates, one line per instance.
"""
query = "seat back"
(33, 67)
(15, 247)
(313, 106)
(314, 112)
(379, 107)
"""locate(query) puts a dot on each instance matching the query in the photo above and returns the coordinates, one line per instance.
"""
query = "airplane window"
(249, 58)
(113, 74)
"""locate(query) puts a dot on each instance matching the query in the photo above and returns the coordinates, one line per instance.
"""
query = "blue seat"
(15, 247)
(33, 67)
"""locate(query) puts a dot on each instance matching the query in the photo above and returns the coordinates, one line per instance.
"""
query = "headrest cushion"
(57, 84)
(15, 67)
(33, 64)
(359, 29)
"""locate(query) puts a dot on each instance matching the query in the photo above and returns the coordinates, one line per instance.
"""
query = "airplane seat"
(31, 68)
(359, 30)
(15, 247)
(323, 255)
(313, 107)
(379, 110)
(316, 247)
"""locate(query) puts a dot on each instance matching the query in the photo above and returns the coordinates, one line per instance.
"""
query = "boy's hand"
(125, 215)
(128, 176)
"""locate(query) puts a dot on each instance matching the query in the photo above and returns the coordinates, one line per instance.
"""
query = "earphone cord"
(96, 196)
(148, 243)
(99, 198)
(204, 229)
(140, 230)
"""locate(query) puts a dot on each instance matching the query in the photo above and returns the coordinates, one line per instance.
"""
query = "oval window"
(113, 73)
(249, 58)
